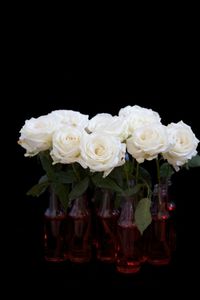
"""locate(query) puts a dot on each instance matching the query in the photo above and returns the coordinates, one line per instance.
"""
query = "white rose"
(70, 118)
(102, 152)
(66, 145)
(36, 134)
(106, 123)
(137, 116)
(148, 141)
(185, 144)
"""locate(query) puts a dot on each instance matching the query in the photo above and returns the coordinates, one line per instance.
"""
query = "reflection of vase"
(106, 228)
(129, 239)
(54, 231)
(158, 245)
(80, 231)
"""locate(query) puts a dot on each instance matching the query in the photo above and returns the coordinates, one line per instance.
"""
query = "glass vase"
(172, 217)
(55, 247)
(159, 252)
(106, 228)
(80, 231)
(129, 239)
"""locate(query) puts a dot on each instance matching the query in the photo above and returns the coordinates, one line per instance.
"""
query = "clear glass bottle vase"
(172, 216)
(80, 242)
(55, 246)
(106, 227)
(159, 252)
(129, 239)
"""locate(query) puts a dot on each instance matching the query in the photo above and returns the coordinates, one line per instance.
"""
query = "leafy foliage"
(62, 191)
(133, 191)
(79, 189)
(105, 183)
(143, 214)
(38, 189)
(194, 162)
(56, 177)
(145, 176)
(166, 171)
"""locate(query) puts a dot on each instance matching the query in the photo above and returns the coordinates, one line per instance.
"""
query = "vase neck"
(127, 218)
(54, 208)
(53, 201)
(79, 208)
(160, 201)
(105, 206)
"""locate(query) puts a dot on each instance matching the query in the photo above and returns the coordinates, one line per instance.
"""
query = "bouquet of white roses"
(107, 152)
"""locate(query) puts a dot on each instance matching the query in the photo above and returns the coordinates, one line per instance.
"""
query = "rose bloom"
(137, 116)
(113, 125)
(185, 144)
(36, 134)
(147, 142)
(70, 118)
(102, 152)
(66, 145)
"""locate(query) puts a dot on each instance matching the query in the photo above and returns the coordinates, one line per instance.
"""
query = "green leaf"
(62, 191)
(46, 162)
(166, 171)
(97, 177)
(133, 191)
(143, 214)
(38, 189)
(116, 175)
(106, 183)
(79, 189)
(145, 175)
(65, 176)
(43, 179)
(194, 162)
(80, 172)
(58, 167)
(128, 167)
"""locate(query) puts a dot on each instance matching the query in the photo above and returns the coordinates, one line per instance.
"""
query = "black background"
(60, 89)
(157, 73)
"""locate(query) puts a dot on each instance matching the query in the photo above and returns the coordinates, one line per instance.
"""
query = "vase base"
(159, 262)
(143, 259)
(106, 259)
(55, 259)
(129, 269)
(80, 260)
